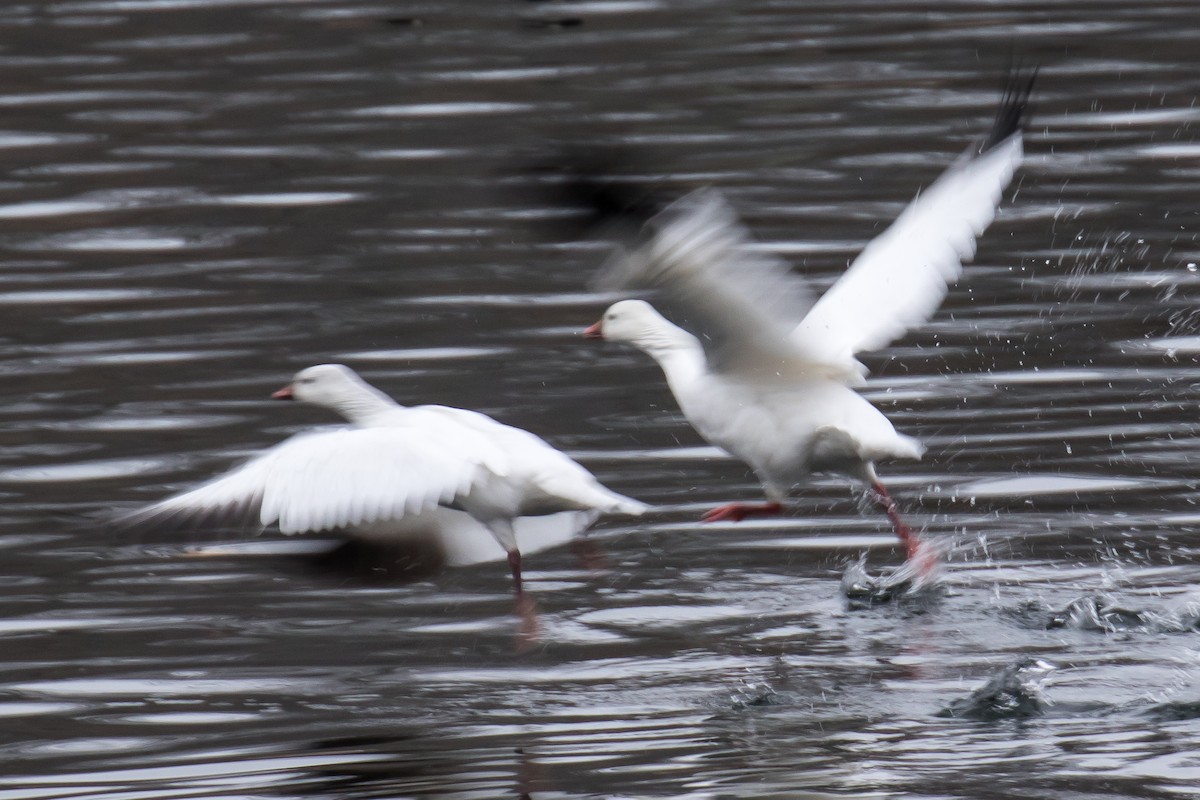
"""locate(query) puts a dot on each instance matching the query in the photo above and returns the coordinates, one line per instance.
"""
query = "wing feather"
(740, 302)
(901, 277)
(322, 480)
(756, 318)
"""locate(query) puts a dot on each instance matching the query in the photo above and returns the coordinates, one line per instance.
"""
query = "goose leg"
(736, 512)
(503, 530)
(525, 605)
(903, 532)
(514, 563)
(922, 557)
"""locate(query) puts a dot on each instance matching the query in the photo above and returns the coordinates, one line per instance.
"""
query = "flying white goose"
(457, 479)
(768, 374)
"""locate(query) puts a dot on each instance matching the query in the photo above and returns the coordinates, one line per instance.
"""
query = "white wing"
(554, 479)
(341, 477)
(901, 277)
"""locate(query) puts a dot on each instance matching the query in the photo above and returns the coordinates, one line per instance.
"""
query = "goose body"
(433, 473)
(783, 430)
(767, 373)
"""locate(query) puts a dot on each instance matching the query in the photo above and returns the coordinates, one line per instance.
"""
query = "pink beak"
(283, 394)
(595, 332)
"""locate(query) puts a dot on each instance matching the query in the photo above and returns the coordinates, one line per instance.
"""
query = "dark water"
(199, 197)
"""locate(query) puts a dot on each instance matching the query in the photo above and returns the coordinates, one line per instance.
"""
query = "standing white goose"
(398, 472)
(768, 374)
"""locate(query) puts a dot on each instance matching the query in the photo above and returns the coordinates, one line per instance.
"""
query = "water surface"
(201, 196)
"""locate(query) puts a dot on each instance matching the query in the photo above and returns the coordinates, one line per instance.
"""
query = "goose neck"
(680, 354)
(363, 405)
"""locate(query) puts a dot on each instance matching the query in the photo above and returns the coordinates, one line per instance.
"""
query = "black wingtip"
(608, 199)
(1014, 106)
(603, 187)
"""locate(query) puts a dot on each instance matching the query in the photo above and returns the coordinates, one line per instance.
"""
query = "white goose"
(454, 478)
(769, 378)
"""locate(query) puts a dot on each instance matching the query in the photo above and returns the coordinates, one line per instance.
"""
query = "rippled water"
(201, 196)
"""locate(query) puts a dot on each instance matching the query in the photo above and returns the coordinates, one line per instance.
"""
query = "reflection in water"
(202, 196)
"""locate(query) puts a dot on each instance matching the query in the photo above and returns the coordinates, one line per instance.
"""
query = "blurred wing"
(742, 304)
(901, 277)
(323, 480)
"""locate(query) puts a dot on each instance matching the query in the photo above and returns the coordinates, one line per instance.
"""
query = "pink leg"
(736, 512)
(922, 557)
(514, 563)
(911, 542)
(526, 608)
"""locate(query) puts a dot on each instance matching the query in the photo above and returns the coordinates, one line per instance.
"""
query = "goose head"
(339, 388)
(627, 321)
(327, 385)
(636, 322)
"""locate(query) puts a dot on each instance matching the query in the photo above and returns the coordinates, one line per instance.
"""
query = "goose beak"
(283, 394)
(595, 332)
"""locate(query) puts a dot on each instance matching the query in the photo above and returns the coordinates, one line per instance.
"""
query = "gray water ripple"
(205, 195)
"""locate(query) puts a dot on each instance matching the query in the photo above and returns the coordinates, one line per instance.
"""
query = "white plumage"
(768, 373)
(435, 473)
(901, 276)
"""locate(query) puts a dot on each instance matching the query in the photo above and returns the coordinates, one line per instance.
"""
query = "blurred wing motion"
(742, 304)
(323, 480)
(754, 315)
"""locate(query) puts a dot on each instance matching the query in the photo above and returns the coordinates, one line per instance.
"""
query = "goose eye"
(611, 317)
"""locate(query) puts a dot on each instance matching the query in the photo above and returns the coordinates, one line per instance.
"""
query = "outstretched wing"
(335, 478)
(901, 277)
